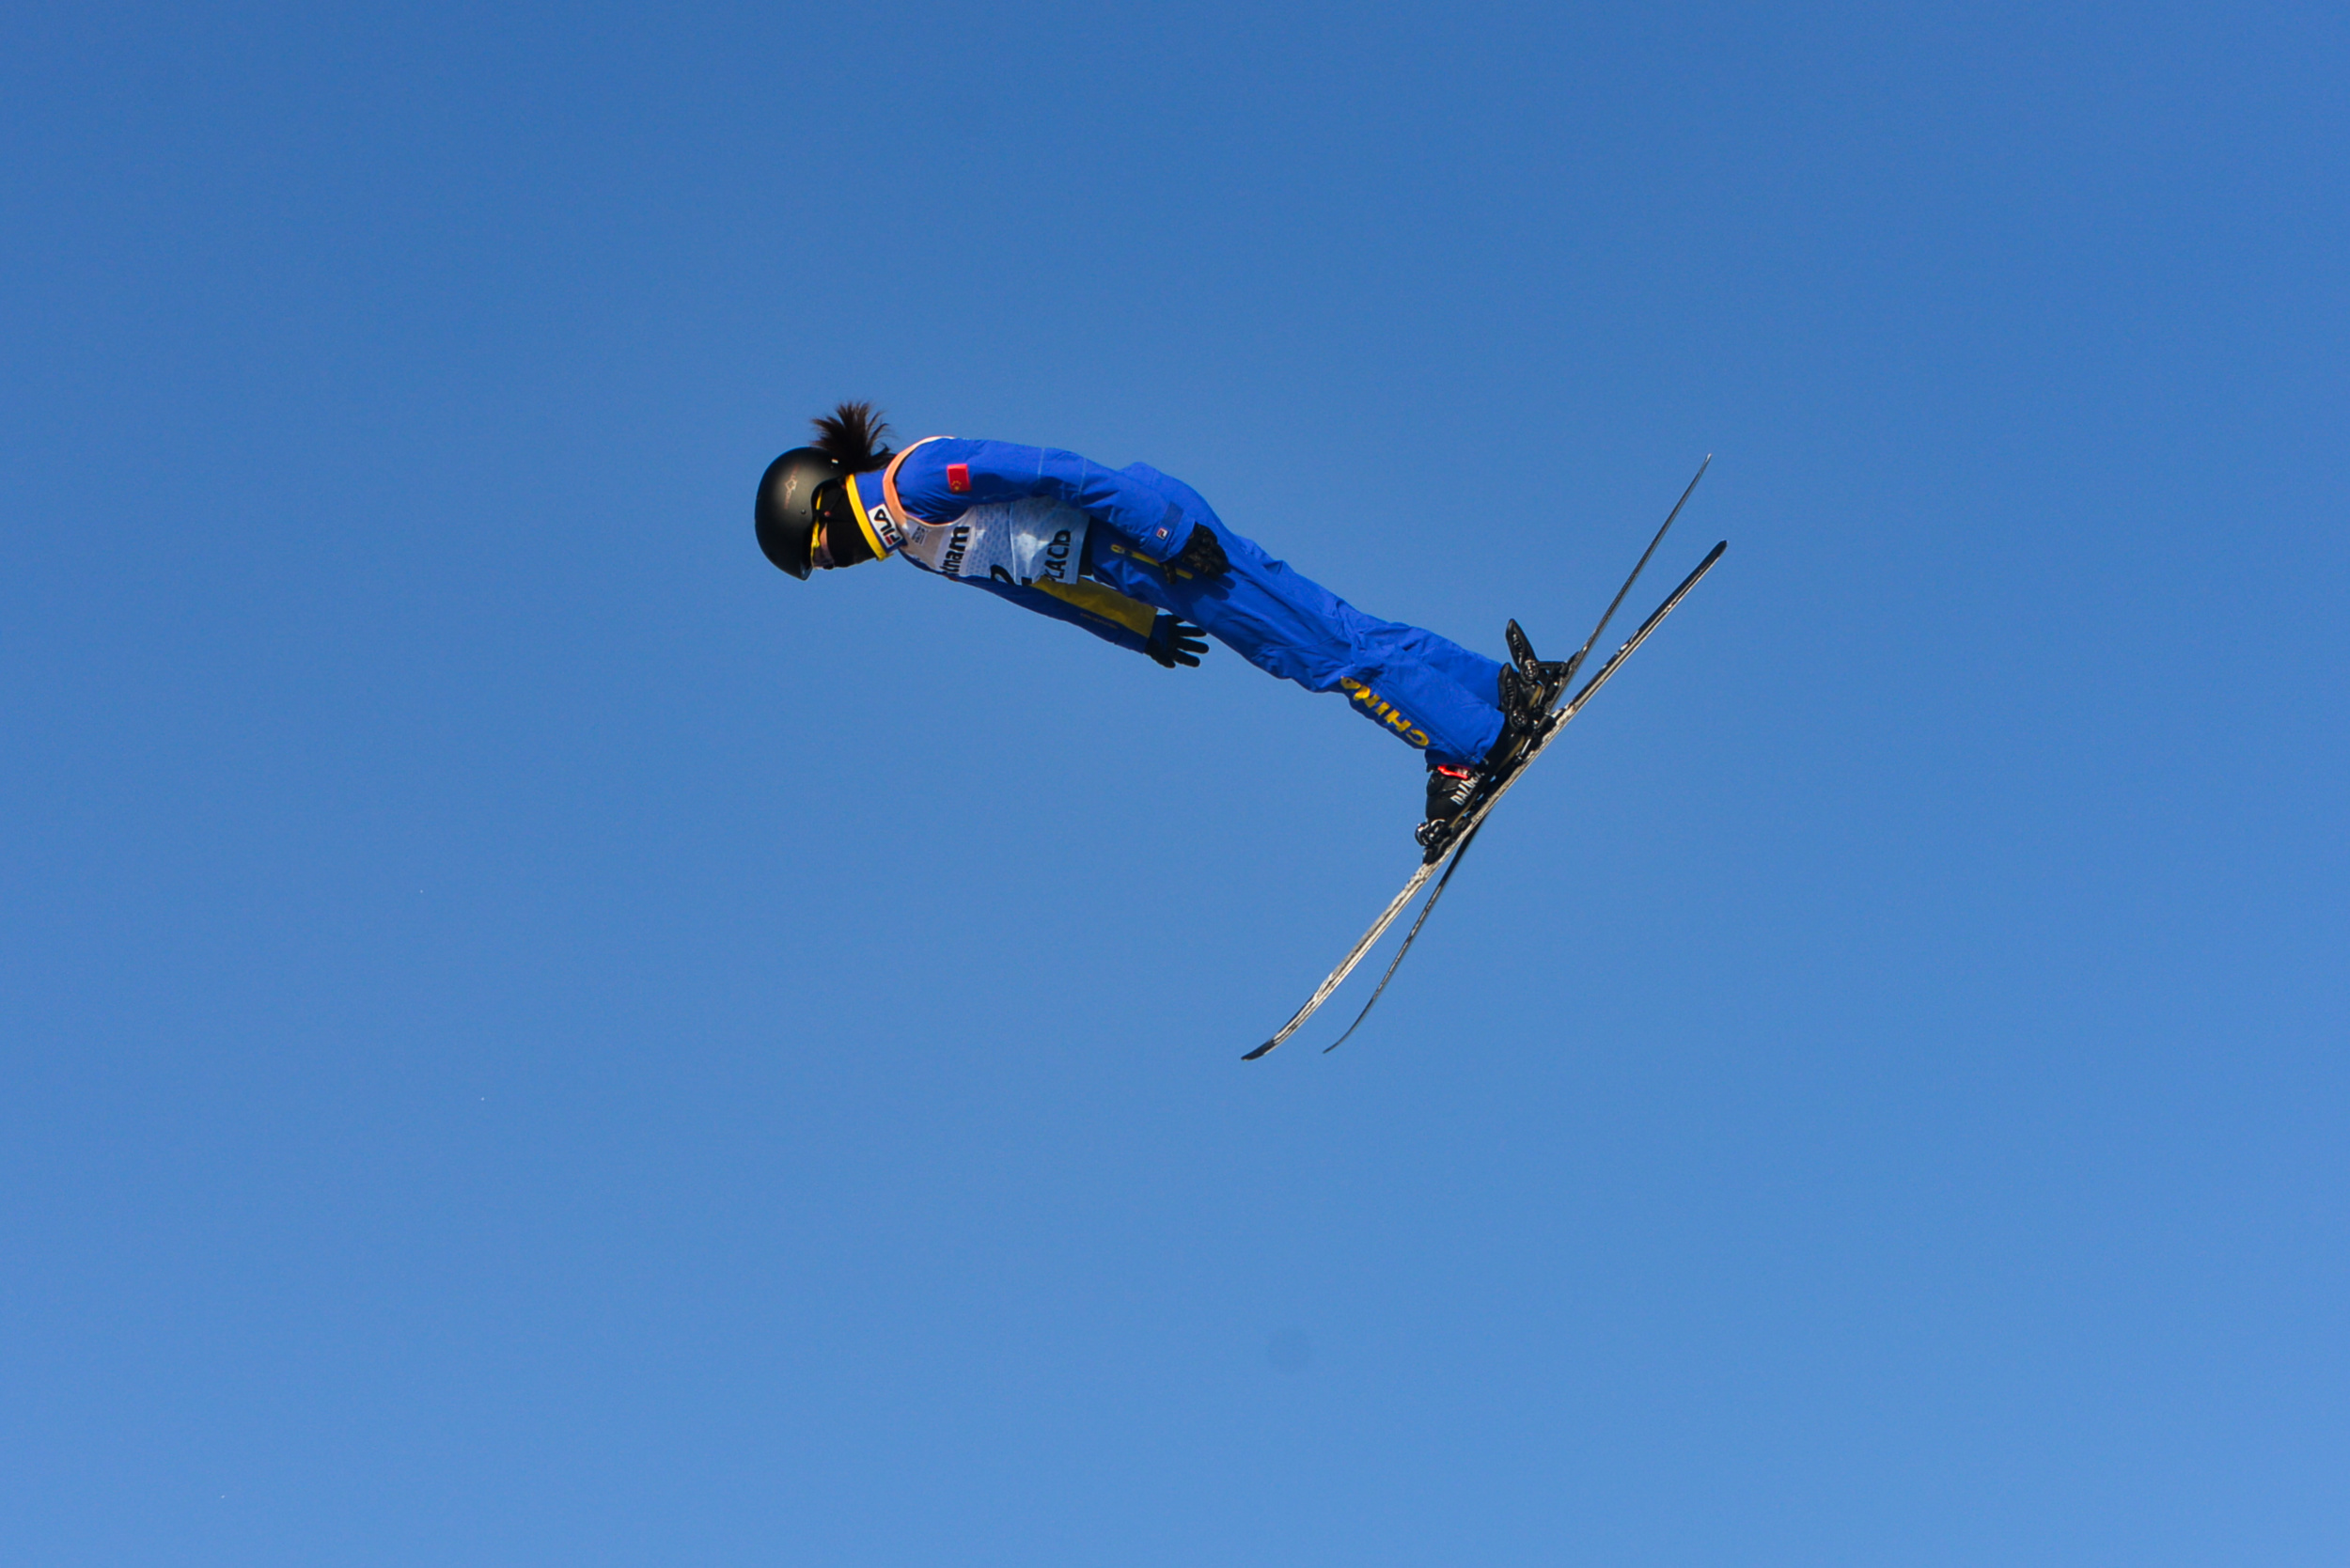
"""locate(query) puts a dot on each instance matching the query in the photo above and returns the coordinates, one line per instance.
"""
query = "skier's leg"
(1428, 691)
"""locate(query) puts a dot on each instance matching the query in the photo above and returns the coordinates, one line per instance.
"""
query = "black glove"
(1175, 642)
(1201, 555)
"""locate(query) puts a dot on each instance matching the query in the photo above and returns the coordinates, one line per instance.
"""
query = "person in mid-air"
(1138, 559)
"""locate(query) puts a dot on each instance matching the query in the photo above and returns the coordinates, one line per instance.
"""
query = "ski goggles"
(831, 505)
(838, 534)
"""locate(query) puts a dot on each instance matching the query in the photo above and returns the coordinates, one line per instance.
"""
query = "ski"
(1409, 937)
(1464, 829)
(1592, 641)
(1464, 840)
(1465, 826)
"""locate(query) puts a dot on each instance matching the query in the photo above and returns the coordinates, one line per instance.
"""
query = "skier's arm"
(940, 478)
(1108, 615)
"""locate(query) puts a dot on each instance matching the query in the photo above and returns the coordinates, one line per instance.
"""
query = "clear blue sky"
(530, 1038)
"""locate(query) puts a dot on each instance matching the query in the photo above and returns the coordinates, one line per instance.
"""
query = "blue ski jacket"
(1065, 537)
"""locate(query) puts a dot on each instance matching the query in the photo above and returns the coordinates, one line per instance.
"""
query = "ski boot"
(1529, 689)
(1449, 790)
(1526, 690)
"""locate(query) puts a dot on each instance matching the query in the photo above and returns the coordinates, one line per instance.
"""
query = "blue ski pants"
(1428, 691)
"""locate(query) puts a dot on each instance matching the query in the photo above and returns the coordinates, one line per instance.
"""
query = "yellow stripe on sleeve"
(1111, 605)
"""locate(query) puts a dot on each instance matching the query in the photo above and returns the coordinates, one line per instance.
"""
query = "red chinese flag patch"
(959, 476)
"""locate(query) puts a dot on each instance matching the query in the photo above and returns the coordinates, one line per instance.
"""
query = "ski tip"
(1261, 1050)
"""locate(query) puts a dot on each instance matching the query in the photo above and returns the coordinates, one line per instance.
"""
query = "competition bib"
(1031, 541)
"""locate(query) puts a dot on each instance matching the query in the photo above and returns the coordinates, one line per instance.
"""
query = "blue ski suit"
(1431, 693)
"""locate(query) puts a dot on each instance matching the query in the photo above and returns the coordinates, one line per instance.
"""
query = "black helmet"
(786, 513)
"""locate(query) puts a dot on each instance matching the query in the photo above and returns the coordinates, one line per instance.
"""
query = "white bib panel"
(1030, 540)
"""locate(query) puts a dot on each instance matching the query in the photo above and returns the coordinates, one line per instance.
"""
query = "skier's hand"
(1201, 555)
(1174, 641)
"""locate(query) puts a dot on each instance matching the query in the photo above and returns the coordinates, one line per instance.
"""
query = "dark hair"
(851, 437)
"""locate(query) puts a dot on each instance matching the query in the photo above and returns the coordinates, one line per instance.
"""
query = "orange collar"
(897, 513)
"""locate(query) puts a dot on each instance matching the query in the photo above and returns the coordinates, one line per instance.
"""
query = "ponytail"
(853, 435)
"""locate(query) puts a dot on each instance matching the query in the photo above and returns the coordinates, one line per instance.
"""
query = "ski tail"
(1575, 664)
(1570, 709)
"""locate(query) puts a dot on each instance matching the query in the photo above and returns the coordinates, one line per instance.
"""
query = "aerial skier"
(1138, 559)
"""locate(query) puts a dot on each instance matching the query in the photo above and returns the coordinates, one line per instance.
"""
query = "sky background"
(528, 1037)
